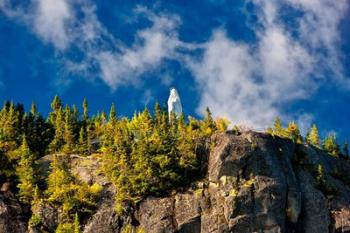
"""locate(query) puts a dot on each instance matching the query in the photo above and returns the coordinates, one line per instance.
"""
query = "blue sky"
(247, 60)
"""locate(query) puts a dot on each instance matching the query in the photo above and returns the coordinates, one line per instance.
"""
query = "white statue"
(174, 102)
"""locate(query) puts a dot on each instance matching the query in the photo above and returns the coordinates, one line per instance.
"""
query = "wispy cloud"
(56, 22)
(250, 83)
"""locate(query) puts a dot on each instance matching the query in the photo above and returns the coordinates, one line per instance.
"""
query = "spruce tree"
(313, 137)
(82, 143)
(76, 223)
(112, 115)
(56, 106)
(85, 110)
(68, 131)
(59, 130)
(33, 109)
(330, 145)
(222, 124)
(56, 103)
(294, 132)
(278, 129)
(59, 180)
(25, 173)
(208, 125)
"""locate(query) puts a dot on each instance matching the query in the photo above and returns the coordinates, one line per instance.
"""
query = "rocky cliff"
(254, 183)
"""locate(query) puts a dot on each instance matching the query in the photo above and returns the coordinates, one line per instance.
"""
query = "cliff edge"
(253, 183)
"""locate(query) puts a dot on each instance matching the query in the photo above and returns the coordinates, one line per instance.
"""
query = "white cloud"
(51, 21)
(253, 83)
(152, 46)
(55, 22)
(250, 83)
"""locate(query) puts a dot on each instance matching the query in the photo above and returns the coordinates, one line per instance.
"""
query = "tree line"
(292, 131)
(148, 154)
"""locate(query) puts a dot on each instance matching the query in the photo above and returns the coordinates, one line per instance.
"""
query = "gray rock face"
(254, 183)
(12, 214)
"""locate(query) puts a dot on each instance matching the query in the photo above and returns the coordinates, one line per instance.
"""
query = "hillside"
(253, 182)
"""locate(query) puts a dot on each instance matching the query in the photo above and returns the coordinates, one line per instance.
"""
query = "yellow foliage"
(198, 192)
(222, 124)
(95, 189)
(248, 183)
(233, 193)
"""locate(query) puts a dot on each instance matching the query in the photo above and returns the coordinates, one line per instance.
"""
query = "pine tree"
(222, 124)
(313, 137)
(277, 125)
(112, 115)
(85, 110)
(76, 224)
(25, 173)
(278, 130)
(294, 132)
(330, 145)
(82, 143)
(33, 109)
(68, 131)
(56, 103)
(59, 180)
(59, 126)
(56, 106)
(208, 125)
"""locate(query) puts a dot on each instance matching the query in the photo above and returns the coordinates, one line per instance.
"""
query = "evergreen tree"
(68, 131)
(59, 126)
(313, 137)
(277, 125)
(330, 145)
(39, 132)
(33, 109)
(208, 125)
(112, 115)
(25, 173)
(56, 103)
(85, 110)
(222, 124)
(82, 145)
(56, 106)
(76, 224)
(294, 132)
(278, 130)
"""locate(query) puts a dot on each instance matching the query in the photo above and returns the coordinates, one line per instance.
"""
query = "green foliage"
(76, 224)
(127, 229)
(66, 191)
(330, 145)
(322, 183)
(294, 132)
(208, 125)
(149, 154)
(34, 221)
(65, 227)
(313, 137)
(278, 130)
(25, 173)
(85, 110)
(222, 124)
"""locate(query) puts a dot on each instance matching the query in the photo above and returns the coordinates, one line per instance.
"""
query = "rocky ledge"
(254, 183)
